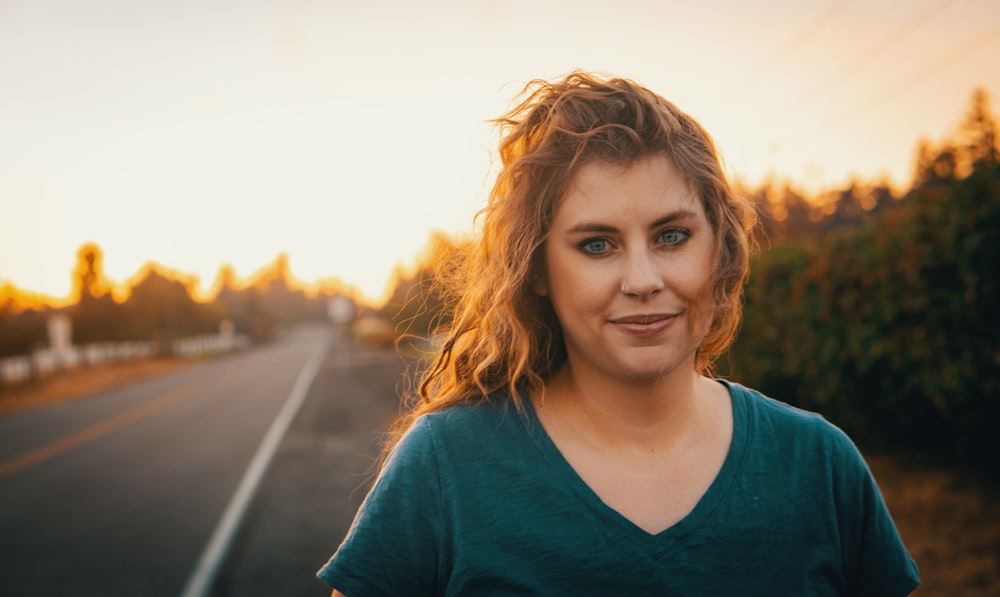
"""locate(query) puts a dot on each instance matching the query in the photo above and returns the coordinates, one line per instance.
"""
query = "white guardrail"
(47, 361)
(209, 344)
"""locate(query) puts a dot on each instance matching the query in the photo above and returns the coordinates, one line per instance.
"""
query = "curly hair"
(503, 335)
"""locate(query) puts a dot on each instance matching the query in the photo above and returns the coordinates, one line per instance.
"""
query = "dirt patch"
(74, 383)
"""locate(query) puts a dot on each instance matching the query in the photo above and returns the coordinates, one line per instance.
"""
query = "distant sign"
(340, 309)
(60, 333)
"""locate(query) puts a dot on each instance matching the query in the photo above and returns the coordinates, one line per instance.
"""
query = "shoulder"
(789, 426)
(470, 422)
(767, 410)
(818, 470)
(768, 407)
(459, 431)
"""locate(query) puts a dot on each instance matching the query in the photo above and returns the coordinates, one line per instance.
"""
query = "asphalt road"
(119, 492)
(318, 478)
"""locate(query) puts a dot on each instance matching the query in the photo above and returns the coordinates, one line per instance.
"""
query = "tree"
(89, 279)
(21, 330)
(972, 149)
(160, 307)
(242, 306)
(890, 328)
(977, 135)
(279, 295)
(96, 315)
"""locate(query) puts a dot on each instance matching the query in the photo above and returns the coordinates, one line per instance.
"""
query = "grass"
(950, 522)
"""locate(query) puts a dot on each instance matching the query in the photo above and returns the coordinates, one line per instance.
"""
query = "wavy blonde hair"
(504, 339)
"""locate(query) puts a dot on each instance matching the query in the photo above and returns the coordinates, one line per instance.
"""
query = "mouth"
(644, 325)
(644, 319)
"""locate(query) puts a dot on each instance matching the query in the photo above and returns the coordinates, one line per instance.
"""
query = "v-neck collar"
(660, 542)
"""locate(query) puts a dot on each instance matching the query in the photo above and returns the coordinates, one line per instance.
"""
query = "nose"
(642, 277)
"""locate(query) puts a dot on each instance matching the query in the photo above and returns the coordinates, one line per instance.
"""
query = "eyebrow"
(674, 216)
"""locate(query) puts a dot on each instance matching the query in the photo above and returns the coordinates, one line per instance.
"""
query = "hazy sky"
(200, 132)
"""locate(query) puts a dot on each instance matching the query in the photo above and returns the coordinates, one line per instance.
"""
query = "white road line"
(201, 580)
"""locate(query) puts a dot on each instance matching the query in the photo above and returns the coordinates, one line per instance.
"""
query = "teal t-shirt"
(477, 500)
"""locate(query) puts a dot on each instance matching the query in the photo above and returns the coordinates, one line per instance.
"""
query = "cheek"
(693, 283)
(589, 283)
(696, 277)
(703, 300)
(576, 292)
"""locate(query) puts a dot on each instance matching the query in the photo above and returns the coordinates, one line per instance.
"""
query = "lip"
(644, 324)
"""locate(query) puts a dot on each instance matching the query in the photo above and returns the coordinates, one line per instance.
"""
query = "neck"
(618, 414)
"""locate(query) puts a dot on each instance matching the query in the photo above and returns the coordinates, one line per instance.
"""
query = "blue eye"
(594, 246)
(674, 236)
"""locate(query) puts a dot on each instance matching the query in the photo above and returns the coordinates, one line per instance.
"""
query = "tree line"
(161, 307)
(886, 321)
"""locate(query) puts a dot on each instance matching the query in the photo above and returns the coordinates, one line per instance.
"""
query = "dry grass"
(74, 383)
(950, 522)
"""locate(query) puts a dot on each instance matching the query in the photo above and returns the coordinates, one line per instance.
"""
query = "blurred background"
(183, 180)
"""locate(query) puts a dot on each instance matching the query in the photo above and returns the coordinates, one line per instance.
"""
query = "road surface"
(318, 478)
(118, 493)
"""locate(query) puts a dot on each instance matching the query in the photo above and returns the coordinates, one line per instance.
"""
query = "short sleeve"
(392, 545)
(875, 559)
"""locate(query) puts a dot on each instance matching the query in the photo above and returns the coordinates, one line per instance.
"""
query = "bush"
(891, 328)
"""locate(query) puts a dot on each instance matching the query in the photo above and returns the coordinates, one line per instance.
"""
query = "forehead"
(647, 188)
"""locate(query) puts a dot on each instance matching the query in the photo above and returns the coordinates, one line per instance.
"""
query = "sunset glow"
(198, 134)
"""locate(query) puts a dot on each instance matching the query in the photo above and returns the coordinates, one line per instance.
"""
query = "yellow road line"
(48, 451)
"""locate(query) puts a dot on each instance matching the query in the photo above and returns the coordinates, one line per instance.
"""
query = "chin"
(650, 375)
(652, 372)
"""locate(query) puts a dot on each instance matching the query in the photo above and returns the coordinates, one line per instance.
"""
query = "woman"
(568, 440)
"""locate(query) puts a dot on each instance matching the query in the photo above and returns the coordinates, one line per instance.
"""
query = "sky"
(197, 133)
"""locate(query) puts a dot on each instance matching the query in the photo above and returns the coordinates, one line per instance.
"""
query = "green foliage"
(887, 322)
(20, 331)
(161, 308)
(889, 328)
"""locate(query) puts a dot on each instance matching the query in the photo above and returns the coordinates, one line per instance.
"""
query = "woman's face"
(627, 264)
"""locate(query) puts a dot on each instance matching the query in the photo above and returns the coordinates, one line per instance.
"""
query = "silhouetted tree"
(278, 296)
(243, 307)
(977, 135)
(21, 330)
(785, 213)
(161, 308)
(96, 315)
(973, 148)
